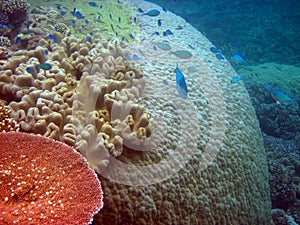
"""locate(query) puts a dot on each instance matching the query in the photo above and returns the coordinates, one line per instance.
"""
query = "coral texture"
(15, 10)
(6, 122)
(44, 181)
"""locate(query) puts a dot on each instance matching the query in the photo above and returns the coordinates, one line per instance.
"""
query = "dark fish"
(89, 39)
(53, 37)
(18, 40)
(110, 16)
(220, 56)
(112, 27)
(156, 33)
(134, 19)
(78, 15)
(214, 49)
(30, 70)
(87, 22)
(46, 52)
(164, 9)
(44, 66)
(28, 25)
(73, 12)
(62, 13)
(119, 19)
(58, 6)
(159, 22)
(140, 10)
(181, 84)
(131, 36)
(169, 32)
(153, 12)
(93, 4)
(73, 22)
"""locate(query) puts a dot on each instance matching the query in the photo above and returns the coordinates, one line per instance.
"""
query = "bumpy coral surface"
(6, 122)
(43, 181)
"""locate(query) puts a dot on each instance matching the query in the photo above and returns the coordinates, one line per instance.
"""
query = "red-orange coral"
(43, 181)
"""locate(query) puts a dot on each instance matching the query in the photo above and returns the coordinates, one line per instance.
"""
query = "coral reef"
(44, 181)
(279, 217)
(14, 11)
(6, 122)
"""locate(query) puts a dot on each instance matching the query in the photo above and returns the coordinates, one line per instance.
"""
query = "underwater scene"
(162, 112)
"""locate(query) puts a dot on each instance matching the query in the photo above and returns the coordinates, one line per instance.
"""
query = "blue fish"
(46, 52)
(153, 12)
(180, 82)
(62, 13)
(89, 39)
(78, 15)
(269, 86)
(169, 32)
(235, 80)
(281, 97)
(140, 10)
(93, 4)
(18, 40)
(53, 37)
(73, 12)
(238, 58)
(214, 50)
(131, 36)
(30, 70)
(135, 57)
(220, 56)
(164, 9)
(159, 22)
(73, 22)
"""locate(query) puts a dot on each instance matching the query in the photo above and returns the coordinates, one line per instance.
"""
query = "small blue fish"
(169, 32)
(155, 33)
(159, 22)
(281, 97)
(235, 80)
(269, 86)
(62, 13)
(73, 12)
(127, 57)
(30, 70)
(214, 50)
(119, 19)
(181, 84)
(238, 58)
(110, 16)
(78, 15)
(153, 12)
(87, 22)
(18, 40)
(46, 52)
(134, 19)
(164, 9)
(53, 37)
(44, 66)
(135, 57)
(131, 36)
(9, 26)
(93, 4)
(140, 10)
(220, 56)
(73, 22)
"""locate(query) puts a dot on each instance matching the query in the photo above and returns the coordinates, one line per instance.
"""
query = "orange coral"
(43, 181)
